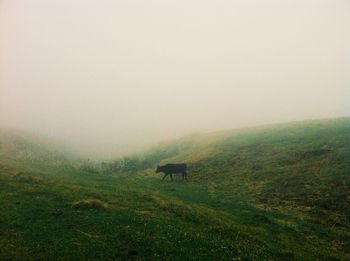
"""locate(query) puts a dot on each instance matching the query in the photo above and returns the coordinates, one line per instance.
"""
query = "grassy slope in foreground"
(279, 192)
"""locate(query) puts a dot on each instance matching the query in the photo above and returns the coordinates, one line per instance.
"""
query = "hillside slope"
(25, 147)
(270, 193)
(285, 162)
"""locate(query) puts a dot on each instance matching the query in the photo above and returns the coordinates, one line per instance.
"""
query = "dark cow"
(170, 169)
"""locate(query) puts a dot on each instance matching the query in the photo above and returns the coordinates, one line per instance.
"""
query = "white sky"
(115, 76)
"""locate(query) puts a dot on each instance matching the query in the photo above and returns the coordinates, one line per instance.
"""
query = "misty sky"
(114, 76)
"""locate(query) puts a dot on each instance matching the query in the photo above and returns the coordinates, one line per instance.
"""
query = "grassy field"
(277, 192)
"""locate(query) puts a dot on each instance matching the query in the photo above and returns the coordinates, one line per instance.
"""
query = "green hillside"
(276, 192)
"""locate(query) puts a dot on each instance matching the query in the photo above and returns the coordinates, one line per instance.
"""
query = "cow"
(170, 169)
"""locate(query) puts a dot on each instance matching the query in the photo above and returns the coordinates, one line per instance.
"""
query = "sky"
(114, 76)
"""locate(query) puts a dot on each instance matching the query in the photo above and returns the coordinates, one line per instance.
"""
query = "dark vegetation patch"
(26, 177)
(90, 204)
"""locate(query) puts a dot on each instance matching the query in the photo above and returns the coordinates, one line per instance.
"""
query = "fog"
(113, 77)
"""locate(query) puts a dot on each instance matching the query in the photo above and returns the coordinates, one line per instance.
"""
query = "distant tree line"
(133, 163)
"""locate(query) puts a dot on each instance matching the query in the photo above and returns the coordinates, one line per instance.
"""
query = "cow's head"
(158, 169)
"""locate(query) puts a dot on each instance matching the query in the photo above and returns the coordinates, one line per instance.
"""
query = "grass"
(270, 193)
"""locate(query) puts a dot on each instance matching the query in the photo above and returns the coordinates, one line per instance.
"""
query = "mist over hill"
(115, 77)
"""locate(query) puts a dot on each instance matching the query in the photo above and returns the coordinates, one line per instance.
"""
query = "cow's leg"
(164, 176)
(171, 176)
(185, 175)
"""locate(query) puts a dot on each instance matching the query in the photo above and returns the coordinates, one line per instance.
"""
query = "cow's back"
(174, 168)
